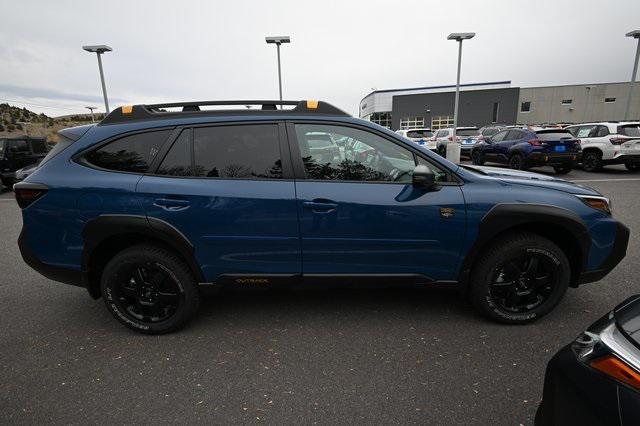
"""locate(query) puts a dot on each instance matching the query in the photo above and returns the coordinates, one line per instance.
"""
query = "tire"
(149, 289)
(516, 162)
(505, 262)
(632, 166)
(562, 170)
(591, 161)
(477, 158)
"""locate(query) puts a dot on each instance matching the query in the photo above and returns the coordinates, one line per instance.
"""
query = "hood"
(521, 177)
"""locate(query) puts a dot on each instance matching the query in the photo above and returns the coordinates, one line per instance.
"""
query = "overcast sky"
(340, 50)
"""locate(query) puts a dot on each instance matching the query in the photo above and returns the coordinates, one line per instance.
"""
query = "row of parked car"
(593, 145)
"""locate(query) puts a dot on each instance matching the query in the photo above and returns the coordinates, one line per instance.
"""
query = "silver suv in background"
(423, 137)
(609, 143)
(467, 137)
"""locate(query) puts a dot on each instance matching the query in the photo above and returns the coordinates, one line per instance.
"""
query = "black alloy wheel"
(516, 162)
(148, 293)
(591, 161)
(523, 283)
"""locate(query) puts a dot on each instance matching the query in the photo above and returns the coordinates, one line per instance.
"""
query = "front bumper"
(618, 252)
(56, 273)
(553, 158)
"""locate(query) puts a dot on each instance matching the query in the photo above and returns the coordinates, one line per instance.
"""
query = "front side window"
(514, 135)
(249, 151)
(583, 131)
(366, 157)
(500, 136)
(132, 153)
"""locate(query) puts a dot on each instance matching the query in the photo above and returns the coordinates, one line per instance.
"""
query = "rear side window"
(583, 132)
(630, 130)
(132, 153)
(500, 136)
(242, 151)
(63, 142)
(38, 146)
(490, 132)
(178, 161)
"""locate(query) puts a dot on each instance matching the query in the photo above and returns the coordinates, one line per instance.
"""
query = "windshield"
(467, 132)
(631, 130)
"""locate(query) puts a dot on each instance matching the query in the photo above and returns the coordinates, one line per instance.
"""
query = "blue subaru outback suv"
(157, 203)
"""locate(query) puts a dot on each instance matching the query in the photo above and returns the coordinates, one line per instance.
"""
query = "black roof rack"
(192, 109)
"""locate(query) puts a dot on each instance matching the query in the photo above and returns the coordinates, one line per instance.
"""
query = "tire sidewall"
(596, 161)
(484, 274)
(112, 277)
(520, 160)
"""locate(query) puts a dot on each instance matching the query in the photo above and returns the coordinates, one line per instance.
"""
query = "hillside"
(15, 122)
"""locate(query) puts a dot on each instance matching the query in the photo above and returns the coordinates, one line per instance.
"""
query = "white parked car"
(609, 143)
(423, 137)
(467, 137)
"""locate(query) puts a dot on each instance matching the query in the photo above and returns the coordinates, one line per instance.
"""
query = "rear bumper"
(554, 158)
(56, 273)
(618, 252)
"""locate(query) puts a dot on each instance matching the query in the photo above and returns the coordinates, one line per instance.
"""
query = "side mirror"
(423, 177)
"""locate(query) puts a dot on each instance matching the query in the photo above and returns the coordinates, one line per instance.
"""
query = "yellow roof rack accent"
(127, 109)
(311, 104)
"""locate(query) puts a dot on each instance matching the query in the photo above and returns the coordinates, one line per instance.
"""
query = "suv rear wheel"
(477, 158)
(519, 279)
(149, 289)
(562, 170)
(632, 166)
(591, 161)
(516, 162)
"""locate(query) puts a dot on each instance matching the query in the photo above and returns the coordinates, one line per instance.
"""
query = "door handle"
(171, 204)
(318, 206)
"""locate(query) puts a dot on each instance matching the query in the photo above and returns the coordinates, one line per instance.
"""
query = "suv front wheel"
(149, 289)
(519, 279)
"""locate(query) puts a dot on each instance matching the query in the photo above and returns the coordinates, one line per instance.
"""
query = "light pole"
(91, 108)
(278, 40)
(453, 148)
(99, 50)
(635, 34)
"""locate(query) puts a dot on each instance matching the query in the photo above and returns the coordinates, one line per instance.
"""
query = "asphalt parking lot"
(321, 356)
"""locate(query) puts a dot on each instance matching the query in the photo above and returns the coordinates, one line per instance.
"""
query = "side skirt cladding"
(106, 233)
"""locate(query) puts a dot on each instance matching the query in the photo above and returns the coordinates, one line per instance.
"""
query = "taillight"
(577, 142)
(450, 138)
(535, 142)
(617, 140)
(617, 369)
(26, 193)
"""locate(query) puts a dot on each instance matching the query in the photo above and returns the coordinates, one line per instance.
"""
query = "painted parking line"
(607, 180)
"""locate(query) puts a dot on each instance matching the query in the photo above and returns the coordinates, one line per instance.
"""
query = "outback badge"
(447, 212)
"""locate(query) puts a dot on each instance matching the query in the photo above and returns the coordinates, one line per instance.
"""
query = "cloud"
(9, 90)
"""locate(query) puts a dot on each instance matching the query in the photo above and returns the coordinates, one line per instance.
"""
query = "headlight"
(599, 203)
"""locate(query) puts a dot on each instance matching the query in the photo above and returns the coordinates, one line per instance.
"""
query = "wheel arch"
(561, 226)
(107, 235)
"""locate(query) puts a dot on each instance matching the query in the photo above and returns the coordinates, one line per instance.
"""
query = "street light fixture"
(635, 34)
(99, 50)
(278, 40)
(453, 148)
(91, 108)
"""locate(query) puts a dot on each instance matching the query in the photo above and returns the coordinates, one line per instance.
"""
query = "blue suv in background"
(524, 148)
(157, 203)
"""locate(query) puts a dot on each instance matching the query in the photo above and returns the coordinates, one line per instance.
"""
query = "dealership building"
(497, 102)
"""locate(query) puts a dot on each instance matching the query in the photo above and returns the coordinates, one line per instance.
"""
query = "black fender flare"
(106, 226)
(505, 216)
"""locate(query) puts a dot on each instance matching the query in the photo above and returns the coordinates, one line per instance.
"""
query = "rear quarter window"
(133, 153)
(630, 130)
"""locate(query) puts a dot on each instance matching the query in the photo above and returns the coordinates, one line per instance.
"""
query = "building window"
(441, 122)
(567, 101)
(525, 106)
(609, 100)
(411, 122)
(496, 109)
(381, 118)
